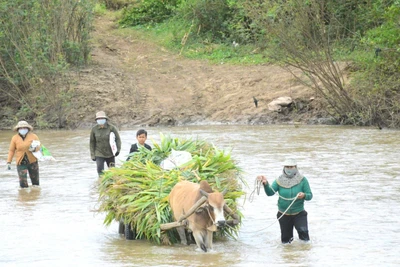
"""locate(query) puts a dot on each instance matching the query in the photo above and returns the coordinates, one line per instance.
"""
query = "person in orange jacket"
(22, 145)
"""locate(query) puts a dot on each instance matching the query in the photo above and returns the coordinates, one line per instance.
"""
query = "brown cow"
(204, 221)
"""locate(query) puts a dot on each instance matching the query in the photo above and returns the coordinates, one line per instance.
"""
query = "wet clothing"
(100, 141)
(295, 216)
(287, 195)
(32, 169)
(25, 160)
(298, 221)
(100, 163)
(135, 148)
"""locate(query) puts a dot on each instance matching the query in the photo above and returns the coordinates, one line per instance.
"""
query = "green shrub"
(148, 12)
(39, 41)
(118, 4)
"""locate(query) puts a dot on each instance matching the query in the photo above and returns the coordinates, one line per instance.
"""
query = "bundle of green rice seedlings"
(137, 192)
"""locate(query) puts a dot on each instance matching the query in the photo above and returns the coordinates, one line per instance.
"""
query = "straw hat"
(290, 162)
(23, 124)
(101, 115)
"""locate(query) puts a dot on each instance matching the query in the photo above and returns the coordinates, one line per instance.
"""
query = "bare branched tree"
(304, 32)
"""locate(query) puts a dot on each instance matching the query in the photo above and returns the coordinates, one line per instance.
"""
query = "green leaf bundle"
(137, 192)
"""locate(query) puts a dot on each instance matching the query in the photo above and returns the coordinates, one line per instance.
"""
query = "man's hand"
(94, 159)
(8, 166)
(117, 153)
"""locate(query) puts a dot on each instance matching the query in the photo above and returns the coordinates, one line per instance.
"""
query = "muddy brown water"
(354, 217)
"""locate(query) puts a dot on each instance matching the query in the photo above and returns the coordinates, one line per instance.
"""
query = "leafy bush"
(39, 40)
(148, 12)
(118, 4)
(387, 35)
(208, 17)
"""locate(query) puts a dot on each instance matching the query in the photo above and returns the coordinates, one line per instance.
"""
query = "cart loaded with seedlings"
(137, 193)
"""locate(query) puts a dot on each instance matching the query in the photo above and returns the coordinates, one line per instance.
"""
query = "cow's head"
(215, 208)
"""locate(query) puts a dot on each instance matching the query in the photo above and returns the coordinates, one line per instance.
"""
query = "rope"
(209, 215)
(257, 186)
(278, 218)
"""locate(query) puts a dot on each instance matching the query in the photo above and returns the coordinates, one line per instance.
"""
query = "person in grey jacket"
(100, 148)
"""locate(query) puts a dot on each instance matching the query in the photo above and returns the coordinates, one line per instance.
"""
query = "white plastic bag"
(113, 143)
(176, 159)
(43, 154)
(34, 145)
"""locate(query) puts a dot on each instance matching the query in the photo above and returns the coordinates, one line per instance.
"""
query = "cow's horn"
(204, 193)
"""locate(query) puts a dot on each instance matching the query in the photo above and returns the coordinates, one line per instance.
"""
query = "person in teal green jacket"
(293, 189)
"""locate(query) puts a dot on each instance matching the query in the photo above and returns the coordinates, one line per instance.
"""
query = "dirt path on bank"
(139, 83)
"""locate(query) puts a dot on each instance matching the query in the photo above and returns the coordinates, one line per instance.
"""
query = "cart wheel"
(129, 233)
(121, 228)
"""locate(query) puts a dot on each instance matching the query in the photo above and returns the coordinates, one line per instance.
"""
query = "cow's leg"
(199, 238)
(182, 234)
(208, 239)
(189, 236)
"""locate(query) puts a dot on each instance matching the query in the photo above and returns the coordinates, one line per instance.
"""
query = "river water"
(354, 217)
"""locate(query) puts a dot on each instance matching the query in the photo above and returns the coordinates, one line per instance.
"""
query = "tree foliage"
(148, 12)
(39, 40)
(322, 39)
(347, 50)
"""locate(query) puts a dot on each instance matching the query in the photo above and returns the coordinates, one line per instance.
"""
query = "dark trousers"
(298, 221)
(100, 163)
(32, 169)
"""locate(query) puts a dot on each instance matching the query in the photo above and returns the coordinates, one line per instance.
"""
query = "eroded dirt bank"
(138, 83)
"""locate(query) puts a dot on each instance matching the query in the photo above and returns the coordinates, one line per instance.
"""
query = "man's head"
(141, 136)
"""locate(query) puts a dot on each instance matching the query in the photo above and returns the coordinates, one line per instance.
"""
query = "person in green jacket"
(293, 189)
(100, 148)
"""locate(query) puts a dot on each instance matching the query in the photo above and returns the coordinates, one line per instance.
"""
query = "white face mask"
(101, 121)
(23, 131)
(290, 172)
